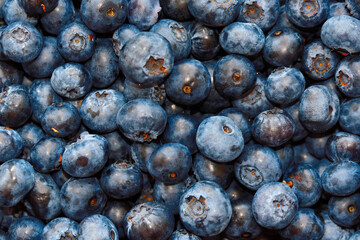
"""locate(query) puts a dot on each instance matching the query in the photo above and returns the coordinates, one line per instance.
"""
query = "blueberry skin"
(21, 42)
(263, 13)
(219, 139)
(242, 38)
(345, 211)
(59, 228)
(307, 224)
(26, 228)
(318, 61)
(242, 224)
(143, 13)
(97, 227)
(154, 93)
(115, 211)
(60, 177)
(60, 16)
(141, 120)
(305, 182)
(283, 47)
(286, 155)
(315, 143)
(41, 95)
(234, 75)
(176, 9)
(353, 8)
(214, 13)
(15, 106)
(17, 179)
(104, 64)
(147, 58)
(60, 120)
(274, 205)
(307, 14)
(11, 144)
(169, 195)
(170, 163)
(347, 77)
(204, 41)
(82, 197)
(48, 59)
(76, 43)
(122, 35)
(302, 156)
(182, 234)
(13, 12)
(140, 153)
(256, 166)
(189, 83)
(300, 130)
(44, 198)
(85, 157)
(214, 102)
(284, 86)
(121, 180)
(31, 134)
(333, 231)
(320, 117)
(255, 101)
(205, 209)
(341, 179)
(273, 127)
(33, 7)
(99, 109)
(343, 146)
(340, 33)
(205, 169)
(181, 128)
(10, 74)
(349, 116)
(242, 121)
(103, 16)
(177, 35)
(46, 155)
(337, 8)
(71, 80)
(119, 148)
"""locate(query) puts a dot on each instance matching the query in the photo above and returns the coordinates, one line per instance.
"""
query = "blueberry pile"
(179, 119)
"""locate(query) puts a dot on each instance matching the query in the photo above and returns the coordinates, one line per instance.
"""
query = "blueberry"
(86, 156)
(333, 231)
(11, 144)
(60, 16)
(320, 117)
(307, 224)
(169, 195)
(122, 35)
(9, 74)
(147, 58)
(34, 7)
(31, 134)
(141, 120)
(140, 153)
(71, 80)
(99, 109)
(60, 228)
(189, 83)
(303, 156)
(26, 228)
(119, 148)
(115, 211)
(347, 77)
(349, 116)
(305, 182)
(343, 146)
(60, 120)
(121, 180)
(103, 16)
(76, 42)
(149, 220)
(205, 209)
(154, 93)
(353, 8)
(81, 198)
(182, 234)
(60, 177)
(340, 33)
(215, 13)
(242, 121)
(176, 9)
(234, 75)
(13, 12)
(341, 179)
(315, 143)
(242, 38)
(345, 211)
(286, 156)
(219, 139)
(21, 42)
(143, 13)
(274, 205)
(300, 130)
(17, 178)
(170, 163)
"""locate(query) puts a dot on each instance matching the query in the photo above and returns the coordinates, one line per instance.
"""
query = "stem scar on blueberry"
(227, 129)
(351, 208)
(289, 183)
(155, 66)
(172, 175)
(110, 12)
(43, 6)
(60, 158)
(55, 130)
(187, 89)
(246, 235)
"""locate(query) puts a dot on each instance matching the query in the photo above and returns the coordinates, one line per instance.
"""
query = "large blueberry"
(97, 227)
(11, 144)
